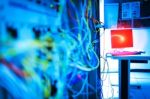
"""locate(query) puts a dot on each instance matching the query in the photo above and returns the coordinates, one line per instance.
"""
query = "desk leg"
(124, 79)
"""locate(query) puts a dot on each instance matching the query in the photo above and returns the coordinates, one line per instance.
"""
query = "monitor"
(121, 38)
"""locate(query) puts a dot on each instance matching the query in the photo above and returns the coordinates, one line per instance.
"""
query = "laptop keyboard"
(122, 53)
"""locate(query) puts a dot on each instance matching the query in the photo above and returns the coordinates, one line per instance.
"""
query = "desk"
(124, 72)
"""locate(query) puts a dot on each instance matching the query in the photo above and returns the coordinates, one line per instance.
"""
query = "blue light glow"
(42, 61)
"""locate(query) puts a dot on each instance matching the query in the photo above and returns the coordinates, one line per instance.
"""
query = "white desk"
(124, 72)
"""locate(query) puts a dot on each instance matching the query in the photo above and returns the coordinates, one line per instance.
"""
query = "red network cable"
(12, 67)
